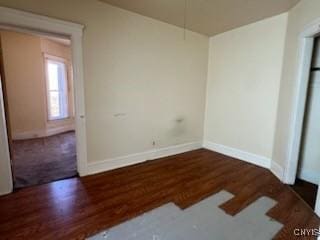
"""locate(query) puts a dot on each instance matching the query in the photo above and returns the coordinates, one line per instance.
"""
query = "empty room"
(158, 119)
(39, 108)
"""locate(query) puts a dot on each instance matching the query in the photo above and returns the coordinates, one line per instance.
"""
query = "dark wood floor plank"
(298, 217)
(286, 200)
(209, 184)
(118, 195)
(241, 200)
(77, 208)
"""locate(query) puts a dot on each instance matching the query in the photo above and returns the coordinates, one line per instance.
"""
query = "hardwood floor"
(307, 191)
(79, 207)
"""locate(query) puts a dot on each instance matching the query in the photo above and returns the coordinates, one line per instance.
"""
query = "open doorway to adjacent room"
(308, 171)
(37, 80)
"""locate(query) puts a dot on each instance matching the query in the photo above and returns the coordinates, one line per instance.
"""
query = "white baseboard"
(131, 159)
(277, 170)
(2, 193)
(42, 133)
(28, 134)
(309, 176)
(239, 154)
(61, 129)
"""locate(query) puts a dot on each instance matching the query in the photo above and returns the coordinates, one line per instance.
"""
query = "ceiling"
(208, 17)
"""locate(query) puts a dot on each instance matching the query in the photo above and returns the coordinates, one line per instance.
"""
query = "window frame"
(64, 61)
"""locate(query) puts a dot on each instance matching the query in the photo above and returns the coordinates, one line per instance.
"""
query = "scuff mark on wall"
(179, 127)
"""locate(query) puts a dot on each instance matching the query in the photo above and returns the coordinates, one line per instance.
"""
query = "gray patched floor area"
(202, 221)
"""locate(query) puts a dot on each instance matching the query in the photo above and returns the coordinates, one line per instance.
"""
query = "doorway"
(39, 107)
(48, 26)
(308, 172)
(301, 115)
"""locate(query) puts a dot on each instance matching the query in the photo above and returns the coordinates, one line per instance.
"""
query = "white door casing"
(306, 44)
(16, 19)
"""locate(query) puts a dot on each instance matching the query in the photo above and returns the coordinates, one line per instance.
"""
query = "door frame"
(306, 44)
(5, 100)
(13, 18)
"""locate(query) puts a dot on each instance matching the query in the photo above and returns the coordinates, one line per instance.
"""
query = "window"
(57, 92)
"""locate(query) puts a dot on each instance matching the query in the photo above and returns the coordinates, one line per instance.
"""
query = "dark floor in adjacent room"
(43, 160)
(307, 191)
(80, 207)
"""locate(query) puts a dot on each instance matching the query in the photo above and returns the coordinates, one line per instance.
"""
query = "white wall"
(243, 84)
(141, 77)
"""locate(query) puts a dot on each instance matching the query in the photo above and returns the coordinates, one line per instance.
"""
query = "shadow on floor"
(307, 191)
